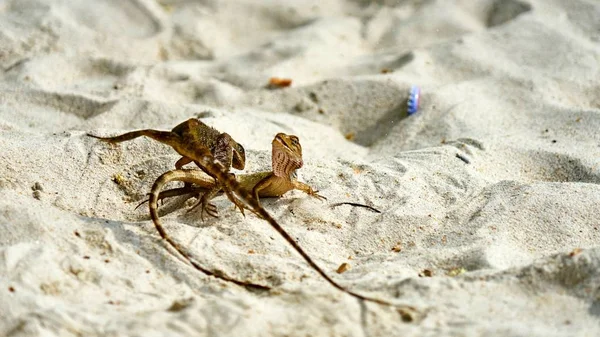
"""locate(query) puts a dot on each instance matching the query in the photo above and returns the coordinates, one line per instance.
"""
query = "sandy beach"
(488, 196)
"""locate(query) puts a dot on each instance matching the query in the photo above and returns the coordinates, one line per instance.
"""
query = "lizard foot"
(208, 207)
(240, 206)
(315, 194)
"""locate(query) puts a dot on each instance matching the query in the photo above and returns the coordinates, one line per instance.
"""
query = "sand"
(489, 196)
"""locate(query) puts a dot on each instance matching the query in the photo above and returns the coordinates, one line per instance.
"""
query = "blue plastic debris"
(413, 99)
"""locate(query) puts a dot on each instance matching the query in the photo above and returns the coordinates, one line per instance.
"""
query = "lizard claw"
(241, 207)
(208, 207)
(315, 194)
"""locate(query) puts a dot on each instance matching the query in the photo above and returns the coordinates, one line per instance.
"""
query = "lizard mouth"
(281, 141)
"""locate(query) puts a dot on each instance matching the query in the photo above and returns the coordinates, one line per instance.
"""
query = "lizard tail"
(161, 136)
(232, 188)
(185, 176)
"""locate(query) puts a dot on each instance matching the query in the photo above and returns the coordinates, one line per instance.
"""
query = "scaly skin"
(287, 158)
(221, 146)
(185, 141)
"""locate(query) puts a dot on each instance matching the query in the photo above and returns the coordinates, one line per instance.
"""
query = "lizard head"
(239, 157)
(287, 154)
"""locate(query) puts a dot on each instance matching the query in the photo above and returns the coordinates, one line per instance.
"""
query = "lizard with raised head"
(286, 159)
(187, 143)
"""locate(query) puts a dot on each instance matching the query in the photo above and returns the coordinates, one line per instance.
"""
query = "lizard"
(221, 145)
(186, 142)
(286, 159)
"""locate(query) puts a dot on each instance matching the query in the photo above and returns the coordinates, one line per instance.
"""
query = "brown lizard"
(286, 159)
(187, 143)
(222, 147)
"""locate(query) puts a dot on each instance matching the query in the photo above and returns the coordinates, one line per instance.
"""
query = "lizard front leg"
(186, 186)
(206, 205)
(307, 189)
(261, 186)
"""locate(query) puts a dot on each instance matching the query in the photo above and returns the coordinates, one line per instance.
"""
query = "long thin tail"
(216, 169)
(185, 176)
(166, 137)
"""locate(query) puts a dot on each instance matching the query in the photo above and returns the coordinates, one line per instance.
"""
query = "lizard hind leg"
(206, 205)
(230, 195)
(191, 191)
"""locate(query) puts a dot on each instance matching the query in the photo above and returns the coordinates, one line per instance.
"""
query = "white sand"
(514, 88)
